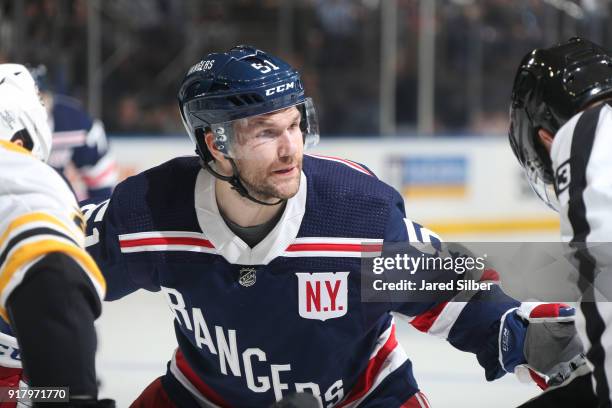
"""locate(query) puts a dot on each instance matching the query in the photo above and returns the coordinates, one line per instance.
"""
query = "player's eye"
(266, 133)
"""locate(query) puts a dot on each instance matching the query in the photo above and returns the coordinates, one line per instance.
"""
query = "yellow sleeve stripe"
(31, 218)
(30, 251)
(14, 147)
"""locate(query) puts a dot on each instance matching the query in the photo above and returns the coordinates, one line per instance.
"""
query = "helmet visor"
(522, 136)
(242, 137)
(546, 191)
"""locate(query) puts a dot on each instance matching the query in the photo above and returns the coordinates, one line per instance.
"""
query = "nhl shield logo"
(322, 296)
(247, 277)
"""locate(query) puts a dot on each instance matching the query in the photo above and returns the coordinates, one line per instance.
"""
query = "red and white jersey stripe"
(105, 173)
(418, 400)
(440, 319)
(69, 138)
(388, 356)
(165, 241)
(334, 247)
(349, 163)
(198, 242)
(185, 375)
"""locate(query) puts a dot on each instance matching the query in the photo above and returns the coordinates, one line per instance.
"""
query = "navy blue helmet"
(243, 82)
(551, 86)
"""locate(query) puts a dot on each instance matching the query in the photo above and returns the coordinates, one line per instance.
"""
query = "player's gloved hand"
(539, 343)
(297, 400)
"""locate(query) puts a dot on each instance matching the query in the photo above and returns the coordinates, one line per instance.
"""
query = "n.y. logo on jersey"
(322, 296)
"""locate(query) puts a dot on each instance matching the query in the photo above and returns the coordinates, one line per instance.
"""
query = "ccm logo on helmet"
(280, 88)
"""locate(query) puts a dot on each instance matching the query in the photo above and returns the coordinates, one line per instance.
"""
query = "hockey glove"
(538, 342)
(297, 400)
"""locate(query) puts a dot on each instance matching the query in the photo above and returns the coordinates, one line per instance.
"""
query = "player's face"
(270, 154)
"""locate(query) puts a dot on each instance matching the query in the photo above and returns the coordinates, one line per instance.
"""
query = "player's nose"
(287, 144)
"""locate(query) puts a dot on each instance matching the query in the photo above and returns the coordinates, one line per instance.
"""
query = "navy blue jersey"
(254, 324)
(79, 142)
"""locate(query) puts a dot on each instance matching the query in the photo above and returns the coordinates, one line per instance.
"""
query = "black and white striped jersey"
(582, 162)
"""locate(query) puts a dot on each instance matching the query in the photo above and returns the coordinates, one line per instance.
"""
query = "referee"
(561, 133)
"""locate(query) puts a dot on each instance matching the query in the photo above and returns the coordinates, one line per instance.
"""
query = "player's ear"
(223, 165)
(23, 139)
(546, 139)
(209, 139)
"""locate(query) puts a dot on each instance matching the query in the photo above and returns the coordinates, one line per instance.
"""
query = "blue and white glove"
(538, 342)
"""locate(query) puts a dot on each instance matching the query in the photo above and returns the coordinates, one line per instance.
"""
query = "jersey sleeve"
(38, 216)
(104, 228)
(95, 164)
(468, 320)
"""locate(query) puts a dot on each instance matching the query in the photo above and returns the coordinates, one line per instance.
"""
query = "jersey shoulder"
(346, 199)
(161, 197)
(69, 115)
(337, 175)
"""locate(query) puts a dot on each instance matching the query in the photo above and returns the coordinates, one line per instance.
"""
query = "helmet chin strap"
(236, 183)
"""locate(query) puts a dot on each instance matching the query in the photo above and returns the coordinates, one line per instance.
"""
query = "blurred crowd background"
(125, 58)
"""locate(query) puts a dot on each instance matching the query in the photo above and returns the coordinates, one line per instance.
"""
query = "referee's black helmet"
(551, 86)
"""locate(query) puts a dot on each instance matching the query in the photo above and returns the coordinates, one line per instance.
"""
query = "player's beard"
(263, 185)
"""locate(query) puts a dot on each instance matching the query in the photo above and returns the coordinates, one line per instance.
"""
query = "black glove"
(577, 393)
(299, 400)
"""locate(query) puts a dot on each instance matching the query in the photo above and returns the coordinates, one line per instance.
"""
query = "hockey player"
(561, 119)
(50, 288)
(80, 146)
(257, 249)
